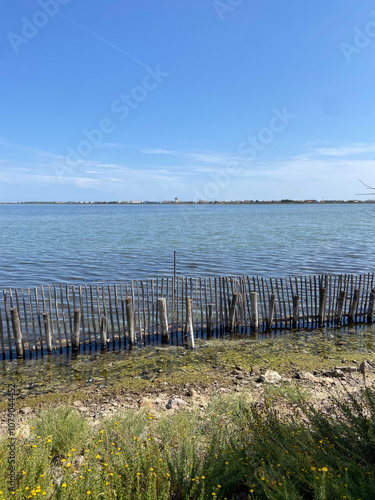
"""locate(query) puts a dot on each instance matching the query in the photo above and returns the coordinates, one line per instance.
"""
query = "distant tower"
(176, 200)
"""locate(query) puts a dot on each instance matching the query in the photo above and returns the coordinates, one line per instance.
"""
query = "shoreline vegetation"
(232, 448)
(200, 202)
(287, 418)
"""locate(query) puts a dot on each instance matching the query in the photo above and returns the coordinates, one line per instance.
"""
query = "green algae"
(57, 378)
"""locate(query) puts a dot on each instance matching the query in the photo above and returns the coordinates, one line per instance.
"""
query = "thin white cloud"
(112, 145)
(352, 149)
(217, 158)
(320, 170)
(157, 151)
(83, 182)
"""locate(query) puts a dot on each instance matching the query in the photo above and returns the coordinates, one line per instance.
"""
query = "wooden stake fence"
(142, 312)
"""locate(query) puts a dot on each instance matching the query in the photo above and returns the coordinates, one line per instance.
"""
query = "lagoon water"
(45, 244)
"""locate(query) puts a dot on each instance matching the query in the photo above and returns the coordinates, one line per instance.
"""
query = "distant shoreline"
(201, 202)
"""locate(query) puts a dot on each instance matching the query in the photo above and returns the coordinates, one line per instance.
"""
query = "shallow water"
(68, 372)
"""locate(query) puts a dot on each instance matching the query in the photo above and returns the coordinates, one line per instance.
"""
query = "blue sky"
(216, 99)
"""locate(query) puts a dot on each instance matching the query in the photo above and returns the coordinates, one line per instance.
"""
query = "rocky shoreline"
(286, 391)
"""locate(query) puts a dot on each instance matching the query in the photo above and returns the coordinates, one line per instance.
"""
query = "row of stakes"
(163, 318)
(75, 336)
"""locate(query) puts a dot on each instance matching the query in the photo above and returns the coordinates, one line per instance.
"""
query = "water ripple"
(109, 243)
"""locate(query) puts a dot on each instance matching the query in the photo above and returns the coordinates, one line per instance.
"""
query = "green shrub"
(66, 426)
(232, 448)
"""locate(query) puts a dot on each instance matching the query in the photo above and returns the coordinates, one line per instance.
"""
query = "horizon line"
(185, 202)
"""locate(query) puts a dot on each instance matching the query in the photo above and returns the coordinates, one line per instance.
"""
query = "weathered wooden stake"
(75, 332)
(271, 310)
(163, 320)
(6, 313)
(353, 306)
(210, 320)
(48, 332)
(254, 318)
(103, 332)
(232, 311)
(2, 335)
(322, 305)
(189, 322)
(16, 324)
(340, 306)
(175, 266)
(130, 320)
(371, 303)
(295, 310)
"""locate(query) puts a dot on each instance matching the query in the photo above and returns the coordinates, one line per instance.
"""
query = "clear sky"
(204, 99)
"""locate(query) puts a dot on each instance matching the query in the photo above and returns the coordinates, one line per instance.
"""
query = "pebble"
(270, 377)
(26, 410)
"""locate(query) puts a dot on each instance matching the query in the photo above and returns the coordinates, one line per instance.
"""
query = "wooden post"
(38, 317)
(322, 305)
(295, 310)
(370, 310)
(144, 311)
(48, 332)
(2, 335)
(240, 309)
(340, 306)
(163, 320)
(201, 303)
(271, 310)
(82, 309)
(139, 312)
(244, 301)
(130, 320)
(6, 312)
(51, 314)
(353, 306)
(116, 306)
(254, 318)
(110, 310)
(92, 311)
(175, 266)
(284, 305)
(232, 311)
(210, 320)
(75, 332)
(68, 304)
(103, 332)
(123, 315)
(189, 322)
(16, 324)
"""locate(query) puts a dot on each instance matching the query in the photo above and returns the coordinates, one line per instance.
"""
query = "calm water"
(43, 244)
